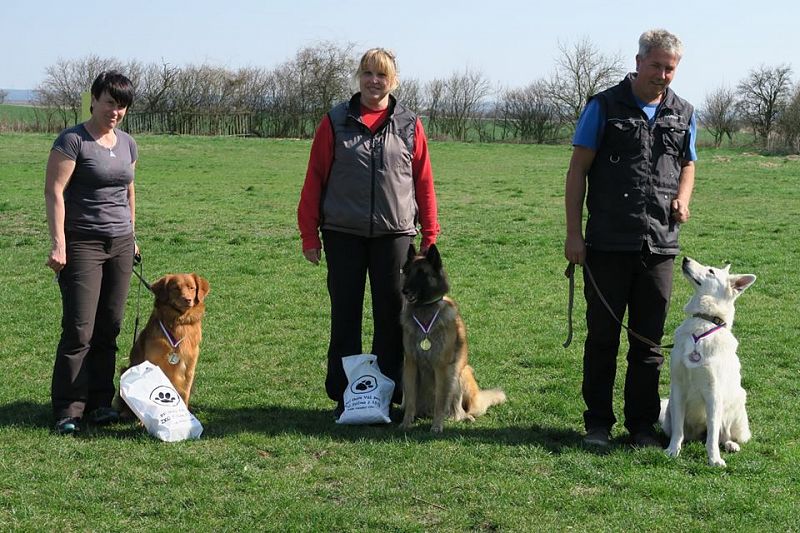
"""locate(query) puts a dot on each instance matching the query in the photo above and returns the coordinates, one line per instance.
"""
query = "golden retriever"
(171, 338)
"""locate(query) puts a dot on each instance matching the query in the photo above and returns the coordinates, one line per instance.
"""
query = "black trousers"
(350, 259)
(640, 282)
(94, 285)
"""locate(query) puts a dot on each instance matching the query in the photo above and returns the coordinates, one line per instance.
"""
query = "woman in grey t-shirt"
(90, 200)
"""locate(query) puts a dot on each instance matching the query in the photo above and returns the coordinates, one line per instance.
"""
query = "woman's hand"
(313, 255)
(57, 259)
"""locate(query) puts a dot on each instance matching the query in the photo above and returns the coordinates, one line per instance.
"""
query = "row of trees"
(765, 102)
(288, 100)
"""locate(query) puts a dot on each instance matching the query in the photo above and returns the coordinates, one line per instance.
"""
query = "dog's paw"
(731, 446)
(673, 451)
(717, 461)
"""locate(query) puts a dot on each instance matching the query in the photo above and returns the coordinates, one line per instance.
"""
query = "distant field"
(16, 112)
(27, 118)
(272, 459)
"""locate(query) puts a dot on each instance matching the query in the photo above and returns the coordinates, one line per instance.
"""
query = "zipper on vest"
(372, 183)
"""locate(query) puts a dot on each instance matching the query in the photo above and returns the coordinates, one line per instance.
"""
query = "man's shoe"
(69, 425)
(103, 416)
(597, 437)
(646, 439)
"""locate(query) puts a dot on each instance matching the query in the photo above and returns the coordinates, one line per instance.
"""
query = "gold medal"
(425, 344)
(173, 359)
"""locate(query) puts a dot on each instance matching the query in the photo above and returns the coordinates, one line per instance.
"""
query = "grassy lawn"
(272, 459)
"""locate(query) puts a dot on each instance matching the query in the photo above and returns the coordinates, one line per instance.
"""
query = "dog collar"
(713, 319)
(431, 302)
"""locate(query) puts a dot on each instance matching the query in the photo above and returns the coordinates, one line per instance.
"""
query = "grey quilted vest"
(370, 190)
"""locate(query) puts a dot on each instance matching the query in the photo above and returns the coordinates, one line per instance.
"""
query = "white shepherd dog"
(706, 394)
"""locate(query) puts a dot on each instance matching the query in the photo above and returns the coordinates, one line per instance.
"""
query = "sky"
(513, 43)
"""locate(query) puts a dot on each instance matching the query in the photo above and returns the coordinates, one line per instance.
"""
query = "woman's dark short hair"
(118, 86)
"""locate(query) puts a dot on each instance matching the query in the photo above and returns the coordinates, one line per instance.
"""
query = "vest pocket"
(623, 138)
(673, 138)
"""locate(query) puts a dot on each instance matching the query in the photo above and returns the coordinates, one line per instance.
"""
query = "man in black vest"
(634, 148)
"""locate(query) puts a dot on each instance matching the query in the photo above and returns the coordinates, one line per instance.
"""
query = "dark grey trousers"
(94, 286)
(640, 282)
(350, 258)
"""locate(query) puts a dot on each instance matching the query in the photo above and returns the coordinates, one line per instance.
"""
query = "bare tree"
(432, 99)
(789, 122)
(581, 71)
(326, 77)
(532, 114)
(763, 94)
(718, 114)
(3, 95)
(66, 80)
(463, 98)
(154, 85)
(409, 93)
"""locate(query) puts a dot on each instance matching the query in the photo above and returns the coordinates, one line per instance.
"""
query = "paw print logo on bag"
(364, 384)
(165, 396)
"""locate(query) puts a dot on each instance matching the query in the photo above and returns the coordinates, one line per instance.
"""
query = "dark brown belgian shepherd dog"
(437, 380)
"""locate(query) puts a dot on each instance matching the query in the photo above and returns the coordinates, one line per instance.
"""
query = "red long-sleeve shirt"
(319, 167)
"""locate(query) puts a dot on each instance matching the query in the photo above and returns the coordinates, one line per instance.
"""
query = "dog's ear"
(412, 252)
(160, 288)
(741, 281)
(202, 287)
(433, 257)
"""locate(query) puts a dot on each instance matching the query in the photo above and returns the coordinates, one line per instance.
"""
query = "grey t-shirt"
(96, 197)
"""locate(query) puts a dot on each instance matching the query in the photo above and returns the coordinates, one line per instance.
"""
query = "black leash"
(570, 273)
(137, 261)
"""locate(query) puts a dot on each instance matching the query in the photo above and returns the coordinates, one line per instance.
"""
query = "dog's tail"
(664, 418)
(485, 399)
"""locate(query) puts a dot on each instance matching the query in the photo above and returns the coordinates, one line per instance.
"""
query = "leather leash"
(570, 273)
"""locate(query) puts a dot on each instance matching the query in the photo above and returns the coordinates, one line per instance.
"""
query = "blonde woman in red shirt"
(368, 187)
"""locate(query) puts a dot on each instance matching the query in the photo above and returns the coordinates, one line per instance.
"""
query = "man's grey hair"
(660, 40)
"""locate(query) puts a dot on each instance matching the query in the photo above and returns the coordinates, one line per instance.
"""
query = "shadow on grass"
(32, 415)
(276, 420)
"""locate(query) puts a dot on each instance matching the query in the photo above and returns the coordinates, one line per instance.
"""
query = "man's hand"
(680, 211)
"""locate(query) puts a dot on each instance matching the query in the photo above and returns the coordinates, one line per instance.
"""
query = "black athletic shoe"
(103, 416)
(597, 437)
(69, 425)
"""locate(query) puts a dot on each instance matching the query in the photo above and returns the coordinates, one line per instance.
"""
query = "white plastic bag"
(369, 392)
(153, 399)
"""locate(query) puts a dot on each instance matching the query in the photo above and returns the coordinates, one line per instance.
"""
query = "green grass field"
(272, 459)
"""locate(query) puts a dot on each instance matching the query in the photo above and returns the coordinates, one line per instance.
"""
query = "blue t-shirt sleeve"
(589, 129)
(691, 155)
